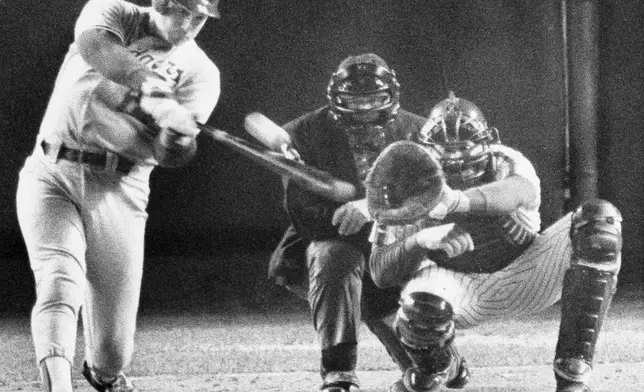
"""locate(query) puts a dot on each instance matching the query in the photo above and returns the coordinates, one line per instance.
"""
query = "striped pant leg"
(532, 283)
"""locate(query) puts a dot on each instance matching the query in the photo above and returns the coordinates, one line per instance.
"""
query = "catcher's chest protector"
(498, 241)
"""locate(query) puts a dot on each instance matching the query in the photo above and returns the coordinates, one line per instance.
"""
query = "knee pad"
(425, 321)
(596, 235)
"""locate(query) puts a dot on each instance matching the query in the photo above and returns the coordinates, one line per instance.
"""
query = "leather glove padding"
(404, 184)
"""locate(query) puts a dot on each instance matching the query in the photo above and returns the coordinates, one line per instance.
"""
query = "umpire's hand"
(351, 216)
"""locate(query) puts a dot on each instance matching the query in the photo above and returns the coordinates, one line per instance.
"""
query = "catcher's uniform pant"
(530, 284)
(84, 232)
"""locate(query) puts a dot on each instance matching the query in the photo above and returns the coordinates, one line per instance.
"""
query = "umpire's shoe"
(337, 381)
(455, 376)
(121, 384)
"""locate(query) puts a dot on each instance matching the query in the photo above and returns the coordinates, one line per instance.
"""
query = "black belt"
(123, 165)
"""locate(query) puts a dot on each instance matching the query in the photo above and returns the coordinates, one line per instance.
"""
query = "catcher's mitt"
(404, 184)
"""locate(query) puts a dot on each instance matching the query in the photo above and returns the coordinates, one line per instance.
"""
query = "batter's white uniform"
(530, 282)
(84, 224)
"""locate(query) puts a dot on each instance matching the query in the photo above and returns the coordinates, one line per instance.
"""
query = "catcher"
(126, 99)
(458, 228)
(323, 253)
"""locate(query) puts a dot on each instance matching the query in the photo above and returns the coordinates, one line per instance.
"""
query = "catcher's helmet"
(206, 7)
(458, 131)
(363, 75)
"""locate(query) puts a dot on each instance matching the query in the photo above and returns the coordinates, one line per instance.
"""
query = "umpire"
(322, 255)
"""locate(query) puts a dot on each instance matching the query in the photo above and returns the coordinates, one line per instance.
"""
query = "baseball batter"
(480, 254)
(127, 98)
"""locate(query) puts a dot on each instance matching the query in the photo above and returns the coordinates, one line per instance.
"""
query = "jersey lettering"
(164, 68)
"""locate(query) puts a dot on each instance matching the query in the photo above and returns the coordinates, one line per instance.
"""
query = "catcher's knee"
(596, 236)
(424, 320)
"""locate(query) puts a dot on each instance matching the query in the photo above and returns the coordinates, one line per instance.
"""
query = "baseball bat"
(266, 131)
(315, 180)
(309, 178)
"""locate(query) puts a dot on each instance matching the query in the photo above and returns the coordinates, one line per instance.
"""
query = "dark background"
(276, 57)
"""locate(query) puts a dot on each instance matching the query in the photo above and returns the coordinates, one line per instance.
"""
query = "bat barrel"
(266, 131)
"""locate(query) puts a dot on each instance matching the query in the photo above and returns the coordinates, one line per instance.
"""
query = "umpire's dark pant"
(341, 294)
(335, 286)
(333, 290)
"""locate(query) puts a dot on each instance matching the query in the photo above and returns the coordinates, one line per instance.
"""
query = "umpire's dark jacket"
(323, 145)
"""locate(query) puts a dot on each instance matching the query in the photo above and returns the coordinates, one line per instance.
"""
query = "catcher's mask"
(206, 7)
(365, 76)
(458, 131)
(404, 184)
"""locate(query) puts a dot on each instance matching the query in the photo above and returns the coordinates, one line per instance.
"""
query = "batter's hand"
(172, 140)
(450, 238)
(351, 216)
(154, 85)
(167, 113)
(172, 149)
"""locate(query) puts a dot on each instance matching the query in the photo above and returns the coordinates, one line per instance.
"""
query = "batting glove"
(148, 82)
(167, 113)
(167, 138)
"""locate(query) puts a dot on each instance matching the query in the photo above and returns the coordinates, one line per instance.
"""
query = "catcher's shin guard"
(588, 289)
(426, 328)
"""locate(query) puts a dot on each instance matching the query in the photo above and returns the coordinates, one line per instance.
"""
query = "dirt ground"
(619, 377)
(277, 352)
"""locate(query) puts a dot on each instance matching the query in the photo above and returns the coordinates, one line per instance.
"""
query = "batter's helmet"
(207, 7)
